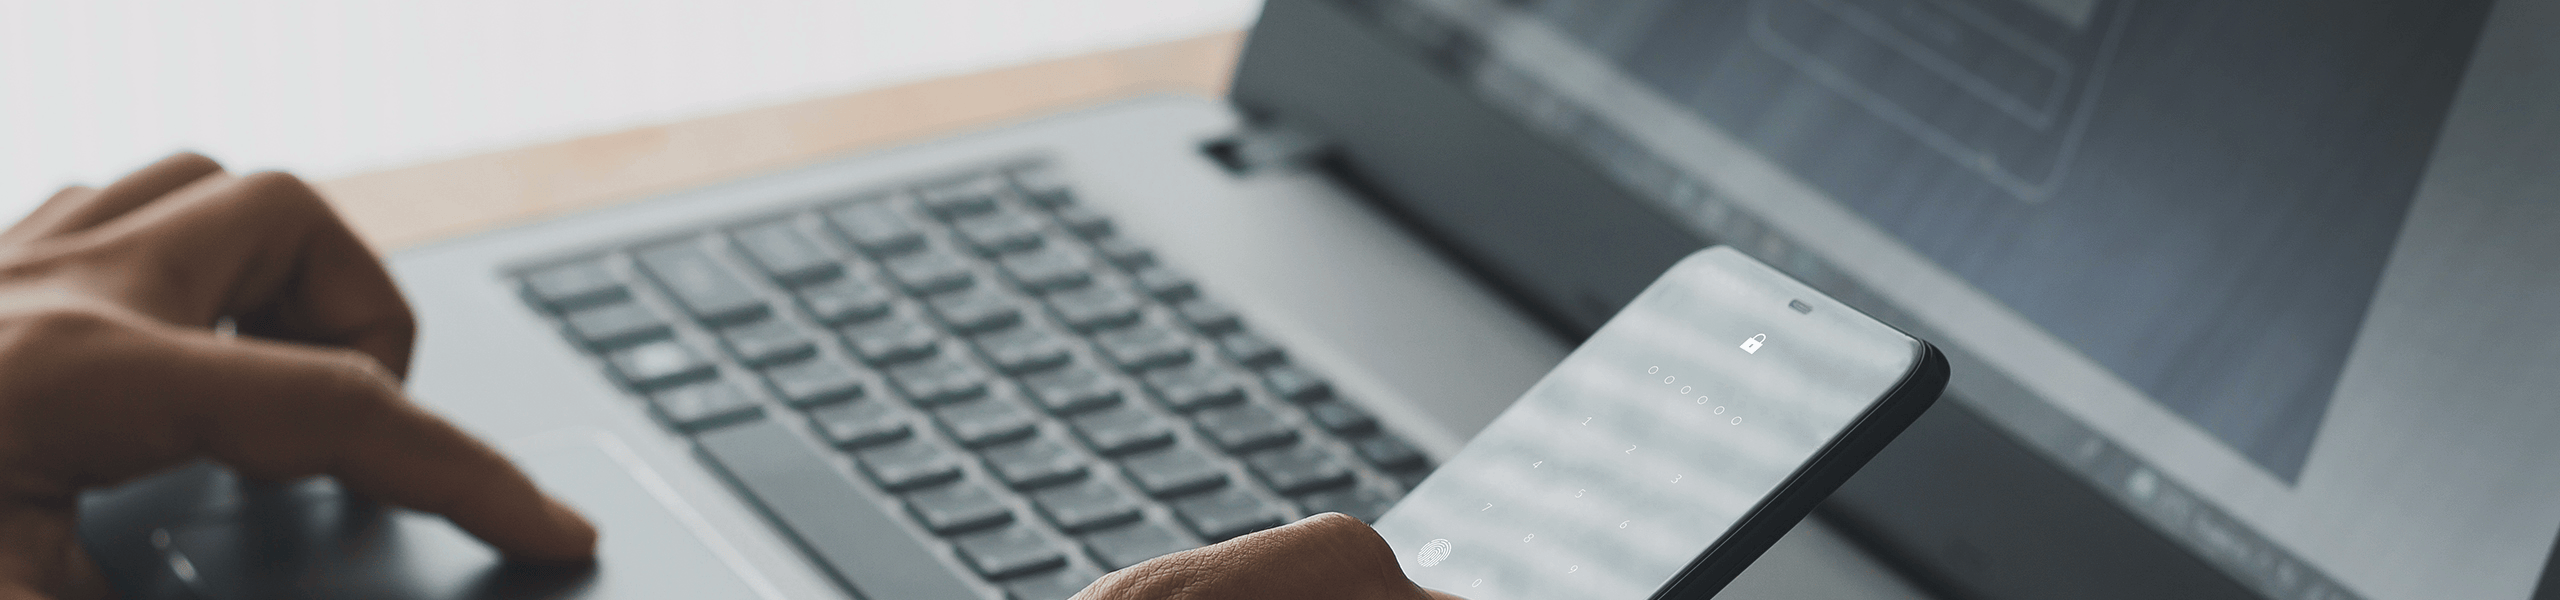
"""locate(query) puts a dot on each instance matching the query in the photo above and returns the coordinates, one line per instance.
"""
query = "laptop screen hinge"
(1265, 148)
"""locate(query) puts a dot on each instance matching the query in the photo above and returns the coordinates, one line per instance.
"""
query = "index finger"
(277, 410)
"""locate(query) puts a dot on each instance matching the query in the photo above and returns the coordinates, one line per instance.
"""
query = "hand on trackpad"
(200, 533)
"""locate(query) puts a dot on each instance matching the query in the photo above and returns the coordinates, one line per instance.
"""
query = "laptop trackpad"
(201, 533)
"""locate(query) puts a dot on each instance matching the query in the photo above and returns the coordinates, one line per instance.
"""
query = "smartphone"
(1673, 447)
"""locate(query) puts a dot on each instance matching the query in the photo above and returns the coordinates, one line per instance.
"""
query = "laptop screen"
(2158, 238)
(2198, 198)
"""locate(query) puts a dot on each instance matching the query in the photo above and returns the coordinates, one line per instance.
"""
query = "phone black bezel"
(1810, 484)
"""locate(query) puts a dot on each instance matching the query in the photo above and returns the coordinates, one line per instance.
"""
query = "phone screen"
(1651, 441)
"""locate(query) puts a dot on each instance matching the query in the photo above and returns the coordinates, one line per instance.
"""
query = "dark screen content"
(1649, 442)
(2197, 194)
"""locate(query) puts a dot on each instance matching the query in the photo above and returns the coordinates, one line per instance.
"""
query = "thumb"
(1324, 556)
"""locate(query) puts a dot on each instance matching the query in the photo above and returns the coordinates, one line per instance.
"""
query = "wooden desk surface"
(406, 206)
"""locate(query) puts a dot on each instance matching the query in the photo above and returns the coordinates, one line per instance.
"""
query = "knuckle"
(355, 384)
(191, 161)
(402, 321)
(63, 322)
(276, 182)
(57, 341)
(280, 192)
(358, 372)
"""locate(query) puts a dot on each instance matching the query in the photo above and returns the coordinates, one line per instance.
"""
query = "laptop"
(2206, 344)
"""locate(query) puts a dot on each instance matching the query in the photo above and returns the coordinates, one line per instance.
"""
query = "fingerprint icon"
(1434, 552)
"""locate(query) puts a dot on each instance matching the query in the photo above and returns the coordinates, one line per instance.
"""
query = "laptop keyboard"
(979, 368)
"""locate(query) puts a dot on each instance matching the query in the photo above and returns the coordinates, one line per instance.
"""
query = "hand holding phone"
(1673, 447)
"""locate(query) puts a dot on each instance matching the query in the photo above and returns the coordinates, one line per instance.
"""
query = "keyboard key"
(1296, 384)
(1120, 547)
(1085, 222)
(1086, 505)
(1251, 349)
(1174, 471)
(1299, 469)
(987, 421)
(876, 227)
(1209, 317)
(845, 300)
(1196, 386)
(1008, 551)
(1061, 584)
(1244, 428)
(967, 197)
(892, 340)
(861, 541)
(659, 364)
(907, 465)
(1024, 349)
(1095, 307)
(1360, 502)
(1145, 346)
(942, 379)
(1388, 452)
(1165, 284)
(930, 272)
(787, 255)
(1341, 417)
(1043, 186)
(1073, 389)
(573, 286)
(975, 310)
(615, 325)
(957, 507)
(704, 287)
(1223, 514)
(703, 406)
(861, 423)
(1000, 232)
(1122, 430)
(1034, 462)
(1048, 269)
(814, 382)
(1127, 253)
(767, 342)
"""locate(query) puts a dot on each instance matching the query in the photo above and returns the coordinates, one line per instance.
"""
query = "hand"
(111, 368)
(1324, 557)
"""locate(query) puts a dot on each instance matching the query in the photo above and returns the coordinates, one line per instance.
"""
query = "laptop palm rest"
(202, 533)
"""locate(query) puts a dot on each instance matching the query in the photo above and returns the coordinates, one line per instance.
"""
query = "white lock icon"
(1752, 346)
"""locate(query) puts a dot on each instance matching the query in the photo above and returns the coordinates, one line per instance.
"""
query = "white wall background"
(91, 89)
